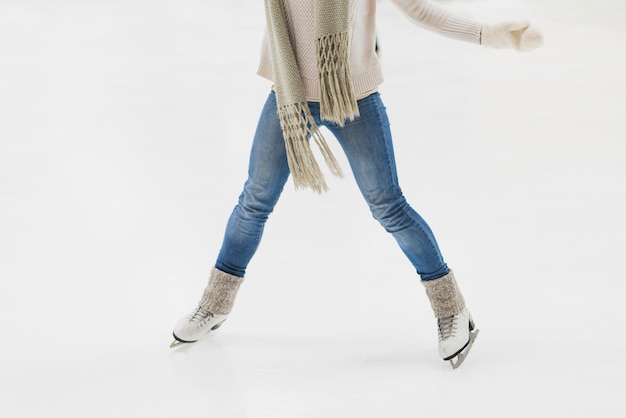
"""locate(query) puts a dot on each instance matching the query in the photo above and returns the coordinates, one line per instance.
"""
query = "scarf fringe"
(298, 125)
(337, 101)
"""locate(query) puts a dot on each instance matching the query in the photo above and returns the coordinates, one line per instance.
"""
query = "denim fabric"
(367, 144)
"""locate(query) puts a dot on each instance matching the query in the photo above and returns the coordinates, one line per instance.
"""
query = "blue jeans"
(367, 144)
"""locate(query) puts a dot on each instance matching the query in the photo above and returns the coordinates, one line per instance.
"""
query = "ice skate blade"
(176, 343)
(460, 358)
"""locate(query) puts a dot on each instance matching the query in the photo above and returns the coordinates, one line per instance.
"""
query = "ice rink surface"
(124, 135)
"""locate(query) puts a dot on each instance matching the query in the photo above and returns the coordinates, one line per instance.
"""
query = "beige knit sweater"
(365, 67)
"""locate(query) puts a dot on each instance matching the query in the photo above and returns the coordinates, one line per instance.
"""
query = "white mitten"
(517, 35)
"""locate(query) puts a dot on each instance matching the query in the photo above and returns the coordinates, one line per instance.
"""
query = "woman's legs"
(267, 174)
(368, 146)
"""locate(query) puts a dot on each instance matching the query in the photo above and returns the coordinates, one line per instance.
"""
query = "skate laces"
(200, 314)
(447, 326)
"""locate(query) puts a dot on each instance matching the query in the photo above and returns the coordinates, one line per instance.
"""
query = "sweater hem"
(363, 83)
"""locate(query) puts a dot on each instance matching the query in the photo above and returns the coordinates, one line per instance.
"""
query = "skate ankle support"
(219, 295)
(444, 295)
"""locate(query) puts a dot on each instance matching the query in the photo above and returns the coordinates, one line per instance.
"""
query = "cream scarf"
(337, 103)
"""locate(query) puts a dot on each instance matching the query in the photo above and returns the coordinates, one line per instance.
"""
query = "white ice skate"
(196, 325)
(456, 336)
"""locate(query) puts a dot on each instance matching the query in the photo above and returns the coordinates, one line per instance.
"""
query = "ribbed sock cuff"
(445, 297)
(219, 295)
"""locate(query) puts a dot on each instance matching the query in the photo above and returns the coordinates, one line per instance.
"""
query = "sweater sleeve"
(440, 20)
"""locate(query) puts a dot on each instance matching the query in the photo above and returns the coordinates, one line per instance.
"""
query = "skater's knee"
(392, 214)
(258, 201)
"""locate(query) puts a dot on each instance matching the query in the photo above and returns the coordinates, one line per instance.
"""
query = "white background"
(124, 133)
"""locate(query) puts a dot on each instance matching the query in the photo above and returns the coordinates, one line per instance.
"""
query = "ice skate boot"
(195, 326)
(455, 325)
(456, 336)
(216, 303)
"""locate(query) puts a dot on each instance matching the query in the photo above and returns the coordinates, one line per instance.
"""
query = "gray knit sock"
(219, 295)
(445, 296)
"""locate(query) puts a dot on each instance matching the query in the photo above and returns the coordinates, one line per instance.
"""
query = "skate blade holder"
(460, 358)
